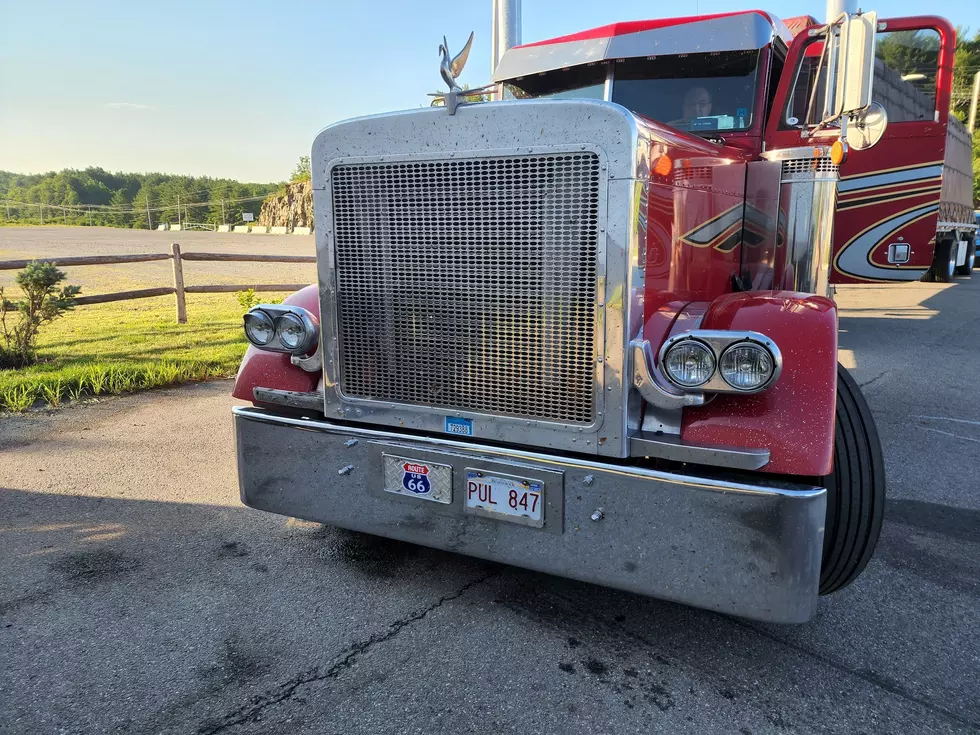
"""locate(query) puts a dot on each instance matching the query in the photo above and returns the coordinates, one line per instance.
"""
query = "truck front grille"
(470, 284)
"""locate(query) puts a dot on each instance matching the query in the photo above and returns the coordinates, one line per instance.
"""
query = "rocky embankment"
(292, 208)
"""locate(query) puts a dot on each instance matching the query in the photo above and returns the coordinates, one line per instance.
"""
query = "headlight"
(747, 366)
(259, 328)
(290, 330)
(689, 364)
(282, 328)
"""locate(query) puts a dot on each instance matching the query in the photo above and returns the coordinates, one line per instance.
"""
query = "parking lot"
(139, 596)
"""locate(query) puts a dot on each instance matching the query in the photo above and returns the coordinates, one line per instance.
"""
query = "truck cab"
(563, 333)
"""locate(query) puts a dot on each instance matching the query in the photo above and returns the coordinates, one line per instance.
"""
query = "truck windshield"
(700, 93)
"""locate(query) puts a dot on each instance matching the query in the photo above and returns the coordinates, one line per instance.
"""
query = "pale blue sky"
(239, 88)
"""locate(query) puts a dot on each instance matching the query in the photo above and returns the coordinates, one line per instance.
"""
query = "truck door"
(888, 195)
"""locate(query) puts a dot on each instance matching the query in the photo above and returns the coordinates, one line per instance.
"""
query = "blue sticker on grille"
(462, 427)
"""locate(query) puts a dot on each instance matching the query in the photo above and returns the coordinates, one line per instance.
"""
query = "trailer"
(585, 329)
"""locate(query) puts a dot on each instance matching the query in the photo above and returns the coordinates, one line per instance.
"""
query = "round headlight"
(747, 366)
(291, 331)
(259, 328)
(689, 364)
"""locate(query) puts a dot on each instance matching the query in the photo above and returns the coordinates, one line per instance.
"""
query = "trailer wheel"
(944, 265)
(971, 258)
(855, 490)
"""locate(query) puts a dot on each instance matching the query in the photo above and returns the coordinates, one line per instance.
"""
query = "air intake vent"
(470, 284)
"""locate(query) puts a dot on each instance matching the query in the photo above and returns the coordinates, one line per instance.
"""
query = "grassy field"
(126, 346)
(132, 345)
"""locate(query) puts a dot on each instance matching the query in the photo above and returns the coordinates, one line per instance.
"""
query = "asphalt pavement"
(138, 596)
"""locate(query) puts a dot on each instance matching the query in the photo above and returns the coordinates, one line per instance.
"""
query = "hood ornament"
(450, 69)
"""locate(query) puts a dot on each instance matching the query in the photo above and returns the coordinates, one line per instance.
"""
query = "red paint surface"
(636, 26)
(903, 144)
(794, 418)
(262, 369)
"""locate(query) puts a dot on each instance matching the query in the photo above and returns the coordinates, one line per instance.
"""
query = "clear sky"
(240, 88)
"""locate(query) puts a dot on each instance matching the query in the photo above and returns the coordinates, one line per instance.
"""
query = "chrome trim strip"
(675, 449)
(290, 398)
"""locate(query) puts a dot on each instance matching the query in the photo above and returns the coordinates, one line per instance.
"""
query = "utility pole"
(178, 210)
(42, 213)
(974, 101)
(89, 216)
(7, 205)
(149, 222)
(223, 220)
(64, 214)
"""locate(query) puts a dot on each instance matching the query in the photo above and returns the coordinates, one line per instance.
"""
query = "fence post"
(179, 284)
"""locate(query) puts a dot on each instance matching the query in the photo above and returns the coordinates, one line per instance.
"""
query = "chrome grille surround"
(526, 129)
(470, 283)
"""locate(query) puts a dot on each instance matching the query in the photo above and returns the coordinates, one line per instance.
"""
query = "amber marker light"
(663, 166)
(838, 152)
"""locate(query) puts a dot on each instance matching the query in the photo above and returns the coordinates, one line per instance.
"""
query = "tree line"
(94, 196)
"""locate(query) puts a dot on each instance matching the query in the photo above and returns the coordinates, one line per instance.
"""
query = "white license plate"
(506, 497)
(417, 479)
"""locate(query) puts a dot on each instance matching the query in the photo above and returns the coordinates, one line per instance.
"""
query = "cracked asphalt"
(138, 596)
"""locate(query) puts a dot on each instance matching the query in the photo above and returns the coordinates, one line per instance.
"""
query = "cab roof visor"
(744, 31)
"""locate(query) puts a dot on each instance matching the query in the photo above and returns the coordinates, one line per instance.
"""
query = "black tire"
(944, 262)
(971, 257)
(855, 490)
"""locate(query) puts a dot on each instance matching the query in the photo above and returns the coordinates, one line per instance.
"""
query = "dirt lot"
(140, 597)
(54, 242)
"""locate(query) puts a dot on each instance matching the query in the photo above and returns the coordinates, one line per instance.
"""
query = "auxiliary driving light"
(259, 328)
(747, 366)
(282, 328)
(689, 363)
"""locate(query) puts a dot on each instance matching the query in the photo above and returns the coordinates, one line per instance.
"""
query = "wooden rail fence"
(178, 289)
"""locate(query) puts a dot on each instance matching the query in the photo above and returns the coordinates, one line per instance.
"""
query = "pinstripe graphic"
(873, 198)
(854, 259)
(722, 232)
(890, 177)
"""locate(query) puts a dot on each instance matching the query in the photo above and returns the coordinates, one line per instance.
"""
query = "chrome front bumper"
(751, 550)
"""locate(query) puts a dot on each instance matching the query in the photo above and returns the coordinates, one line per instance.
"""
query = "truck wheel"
(944, 265)
(855, 490)
(971, 258)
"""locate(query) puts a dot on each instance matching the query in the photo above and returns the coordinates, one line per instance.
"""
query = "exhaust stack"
(506, 28)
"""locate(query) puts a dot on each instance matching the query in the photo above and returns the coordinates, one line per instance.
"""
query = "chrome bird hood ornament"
(450, 68)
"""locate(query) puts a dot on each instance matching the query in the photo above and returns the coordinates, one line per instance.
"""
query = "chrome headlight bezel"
(276, 313)
(719, 341)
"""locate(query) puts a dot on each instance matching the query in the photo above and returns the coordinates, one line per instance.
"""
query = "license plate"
(417, 479)
(506, 497)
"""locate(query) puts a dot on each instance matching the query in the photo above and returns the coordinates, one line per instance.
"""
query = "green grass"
(127, 346)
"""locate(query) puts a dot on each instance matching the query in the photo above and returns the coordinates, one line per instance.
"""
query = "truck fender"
(262, 369)
(793, 418)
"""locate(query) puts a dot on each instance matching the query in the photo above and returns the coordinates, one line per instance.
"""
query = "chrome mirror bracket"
(664, 407)
(310, 363)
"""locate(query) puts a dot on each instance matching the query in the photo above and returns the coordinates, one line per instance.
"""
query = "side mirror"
(855, 63)
(864, 129)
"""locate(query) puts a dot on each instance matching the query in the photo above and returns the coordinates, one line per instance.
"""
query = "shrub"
(248, 299)
(20, 321)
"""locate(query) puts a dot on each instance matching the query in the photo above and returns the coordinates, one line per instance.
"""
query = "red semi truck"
(586, 330)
